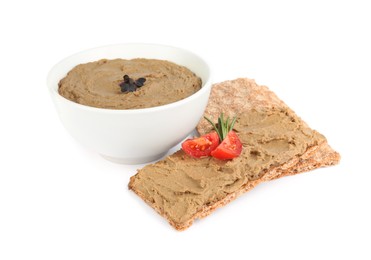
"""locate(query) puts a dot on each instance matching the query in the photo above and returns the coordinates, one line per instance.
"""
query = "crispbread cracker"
(236, 97)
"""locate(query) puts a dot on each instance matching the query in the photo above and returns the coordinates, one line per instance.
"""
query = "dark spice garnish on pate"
(101, 83)
(130, 85)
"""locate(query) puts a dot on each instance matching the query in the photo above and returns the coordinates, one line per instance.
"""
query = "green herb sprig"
(224, 126)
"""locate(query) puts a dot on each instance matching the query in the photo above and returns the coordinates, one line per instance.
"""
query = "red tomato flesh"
(201, 146)
(230, 148)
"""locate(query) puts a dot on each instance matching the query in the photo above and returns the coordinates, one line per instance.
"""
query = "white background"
(61, 201)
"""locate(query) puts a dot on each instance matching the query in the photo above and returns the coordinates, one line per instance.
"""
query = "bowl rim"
(205, 85)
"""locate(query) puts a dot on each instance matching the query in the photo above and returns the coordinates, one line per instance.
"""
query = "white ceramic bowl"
(139, 135)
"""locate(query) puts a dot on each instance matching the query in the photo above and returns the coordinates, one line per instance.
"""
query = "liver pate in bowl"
(130, 103)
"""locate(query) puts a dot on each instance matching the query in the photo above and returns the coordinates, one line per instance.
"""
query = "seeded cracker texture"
(236, 97)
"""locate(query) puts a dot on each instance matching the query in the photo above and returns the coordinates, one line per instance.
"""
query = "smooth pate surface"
(97, 83)
(180, 185)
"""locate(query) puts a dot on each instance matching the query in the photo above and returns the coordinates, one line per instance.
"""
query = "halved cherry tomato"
(230, 148)
(201, 146)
